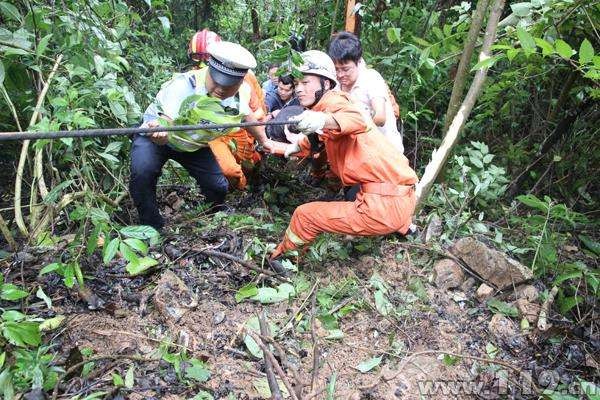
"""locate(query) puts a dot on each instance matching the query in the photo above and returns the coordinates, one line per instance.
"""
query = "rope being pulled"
(81, 133)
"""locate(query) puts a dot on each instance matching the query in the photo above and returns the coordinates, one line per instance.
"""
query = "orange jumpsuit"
(236, 150)
(358, 154)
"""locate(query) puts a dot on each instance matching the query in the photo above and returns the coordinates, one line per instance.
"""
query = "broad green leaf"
(165, 24)
(382, 304)
(590, 244)
(547, 48)
(139, 232)
(486, 63)
(393, 35)
(137, 244)
(13, 315)
(110, 250)
(10, 11)
(51, 268)
(92, 241)
(22, 334)
(591, 390)
(533, 202)
(526, 40)
(6, 385)
(269, 295)
(51, 324)
(491, 350)
(422, 42)
(563, 49)
(99, 215)
(449, 360)
(140, 266)
(512, 53)
(117, 380)
(500, 307)
(521, 9)
(129, 377)
(12, 292)
(202, 395)
(43, 44)
(245, 292)
(368, 365)
(198, 371)
(586, 52)
(2, 73)
(55, 192)
(551, 395)
(570, 275)
(565, 304)
(2, 359)
(127, 253)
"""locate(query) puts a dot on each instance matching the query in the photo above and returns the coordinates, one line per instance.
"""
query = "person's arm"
(378, 113)
(339, 117)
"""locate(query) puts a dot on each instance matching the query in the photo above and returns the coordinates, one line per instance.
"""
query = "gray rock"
(434, 229)
(492, 265)
(447, 274)
(527, 292)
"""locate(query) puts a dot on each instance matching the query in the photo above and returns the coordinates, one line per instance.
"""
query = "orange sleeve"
(344, 112)
(257, 97)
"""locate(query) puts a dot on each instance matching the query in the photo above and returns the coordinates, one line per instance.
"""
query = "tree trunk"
(439, 157)
(255, 24)
(465, 61)
(350, 25)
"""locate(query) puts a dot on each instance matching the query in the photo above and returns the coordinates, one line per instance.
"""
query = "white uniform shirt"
(370, 85)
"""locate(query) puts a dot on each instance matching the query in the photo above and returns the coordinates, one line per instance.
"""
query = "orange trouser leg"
(369, 215)
(231, 169)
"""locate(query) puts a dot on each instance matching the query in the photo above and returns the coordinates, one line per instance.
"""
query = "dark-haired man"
(283, 97)
(365, 85)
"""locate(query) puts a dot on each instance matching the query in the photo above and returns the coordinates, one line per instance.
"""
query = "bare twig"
(542, 323)
(287, 326)
(313, 334)
(274, 362)
(271, 379)
(239, 261)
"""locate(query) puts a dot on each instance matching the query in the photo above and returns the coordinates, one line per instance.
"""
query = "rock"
(218, 317)
(484, 292)
(468, 284)
(447, 274)
(506, 332)
(492, 265)
(528, 310)
(25, 257)
(172, 298)
(527, 292)
(434, 229)
(502, 327)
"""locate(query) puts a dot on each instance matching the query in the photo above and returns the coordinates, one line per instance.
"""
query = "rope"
(81, 133)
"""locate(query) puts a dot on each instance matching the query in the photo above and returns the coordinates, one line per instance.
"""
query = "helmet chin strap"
(319, 93)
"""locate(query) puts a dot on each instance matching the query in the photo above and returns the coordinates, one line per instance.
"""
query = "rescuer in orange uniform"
(234, 152)
(357, 153)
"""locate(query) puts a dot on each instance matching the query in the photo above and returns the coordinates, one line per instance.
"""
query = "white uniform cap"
(229, 62)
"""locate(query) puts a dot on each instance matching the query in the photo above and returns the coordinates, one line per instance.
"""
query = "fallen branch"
(542, 323)
(243, 263)
(271, 379)
(274, 362)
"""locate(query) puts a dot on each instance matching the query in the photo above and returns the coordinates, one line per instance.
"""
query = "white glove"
(291, 149)
(310, 121)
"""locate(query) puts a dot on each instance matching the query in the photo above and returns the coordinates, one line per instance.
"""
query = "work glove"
(310, 121)
(291, 149)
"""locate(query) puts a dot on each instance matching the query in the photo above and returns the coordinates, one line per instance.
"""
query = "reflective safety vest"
(213, 113)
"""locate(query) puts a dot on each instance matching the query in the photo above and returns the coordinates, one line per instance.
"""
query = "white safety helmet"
(318, 63)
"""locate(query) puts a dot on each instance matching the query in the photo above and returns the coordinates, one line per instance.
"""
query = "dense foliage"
(524, 177)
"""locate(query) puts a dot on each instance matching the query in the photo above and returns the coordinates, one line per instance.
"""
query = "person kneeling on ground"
(223, 79)
(358, 153)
